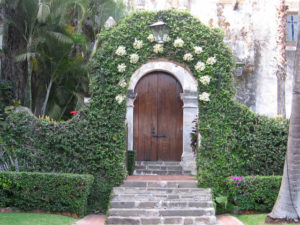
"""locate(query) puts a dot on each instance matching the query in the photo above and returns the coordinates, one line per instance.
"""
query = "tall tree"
(281, 57)
(287, 206)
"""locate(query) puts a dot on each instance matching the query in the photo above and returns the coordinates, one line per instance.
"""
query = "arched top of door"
(185, 78)
(158, 72)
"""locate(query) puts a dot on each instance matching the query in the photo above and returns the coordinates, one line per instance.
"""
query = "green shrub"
(131, 161)
(236, 141)
(254, 193)
(45, 191)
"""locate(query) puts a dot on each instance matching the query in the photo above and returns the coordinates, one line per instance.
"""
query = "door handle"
(157, 135)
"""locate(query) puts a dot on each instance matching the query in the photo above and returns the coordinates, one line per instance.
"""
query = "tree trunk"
(28, 91)
(287, 206)
(11, 70)
(47, 98)
(281, 58)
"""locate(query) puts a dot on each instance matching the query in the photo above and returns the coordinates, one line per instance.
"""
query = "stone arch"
(190, 104)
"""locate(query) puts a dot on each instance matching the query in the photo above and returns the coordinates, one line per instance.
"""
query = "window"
(140, 4)
(292, 27)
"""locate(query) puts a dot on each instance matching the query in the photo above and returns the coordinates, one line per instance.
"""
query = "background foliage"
(45, 191)
(234, 140)
(5, 96)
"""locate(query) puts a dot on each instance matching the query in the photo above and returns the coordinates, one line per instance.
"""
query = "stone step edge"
(211, 220)
(206, 209)
(160, 205)
(182, 189)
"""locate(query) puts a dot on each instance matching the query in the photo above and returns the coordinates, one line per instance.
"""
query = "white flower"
(198, 50)
(205, 80)
(178, 43)
(158, 48)
(151, 38)
(134, 58)
(121, 50)
(200, 66)
(138, 44)
(211, 60)
(166, 38)
(188, 57)
(121, 67)
(122, 83)
(120, 98)
(204, 97)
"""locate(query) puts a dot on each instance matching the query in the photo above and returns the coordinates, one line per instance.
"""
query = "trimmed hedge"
(254, 193)
(45, 191)
(131, 158)
(238, 142)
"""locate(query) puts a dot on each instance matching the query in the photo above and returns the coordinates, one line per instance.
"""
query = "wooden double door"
(158, 116)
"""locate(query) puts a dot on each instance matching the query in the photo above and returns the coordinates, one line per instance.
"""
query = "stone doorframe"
(190, 105)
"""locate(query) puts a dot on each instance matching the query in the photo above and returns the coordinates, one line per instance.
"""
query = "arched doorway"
(189, 97)
(158, 112)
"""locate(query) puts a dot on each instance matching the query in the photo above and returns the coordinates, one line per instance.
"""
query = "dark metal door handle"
(159, 136)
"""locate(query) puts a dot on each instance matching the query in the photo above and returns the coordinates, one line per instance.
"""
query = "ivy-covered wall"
(234, 140)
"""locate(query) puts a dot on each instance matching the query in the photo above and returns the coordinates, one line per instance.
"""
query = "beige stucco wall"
(251, 29)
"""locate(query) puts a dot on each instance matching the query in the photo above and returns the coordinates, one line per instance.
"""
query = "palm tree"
(281, 58)
(287, 206)
(28, 19)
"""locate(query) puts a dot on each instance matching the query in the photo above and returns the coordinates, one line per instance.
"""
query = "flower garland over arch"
(189, 42)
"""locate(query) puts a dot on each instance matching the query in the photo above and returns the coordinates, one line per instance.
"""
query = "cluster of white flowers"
(121, 67)
(188, 57)
(178, 43)
(166, 38)
(204, 97)
(200, 66)
(120, 98)
(121, 50)
(211, 60)
(198, 50)
(158, 48)
(137, 44)
(205, 80)
(134, 58)
(151, 38)
(122, 83)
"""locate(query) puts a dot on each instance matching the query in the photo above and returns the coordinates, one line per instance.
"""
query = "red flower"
(74, 112)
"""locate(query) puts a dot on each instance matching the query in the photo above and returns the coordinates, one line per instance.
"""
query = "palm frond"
(23, 57)
(43, 13)
(60, 37)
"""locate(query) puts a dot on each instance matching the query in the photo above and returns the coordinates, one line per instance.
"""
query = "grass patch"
(254, 219)
(35, 219)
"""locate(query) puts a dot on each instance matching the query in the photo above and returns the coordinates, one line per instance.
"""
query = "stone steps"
(162, 197)
(199, 220)
(159, 168)
(144, 212)
(139, 190)
(162, 184)
(161, 202)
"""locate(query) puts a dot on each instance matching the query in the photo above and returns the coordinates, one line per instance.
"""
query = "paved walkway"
(100, 219)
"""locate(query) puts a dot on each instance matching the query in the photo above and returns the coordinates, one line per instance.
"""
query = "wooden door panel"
(158, 111)
(169, 118)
